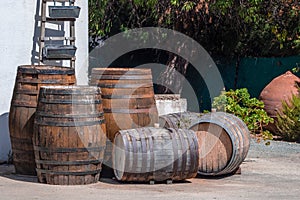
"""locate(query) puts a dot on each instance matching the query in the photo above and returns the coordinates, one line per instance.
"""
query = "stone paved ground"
(269, 172)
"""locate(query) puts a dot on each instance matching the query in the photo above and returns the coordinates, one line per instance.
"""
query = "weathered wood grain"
(28, 81)
(69, 135)
(146, 154)
(223, 139)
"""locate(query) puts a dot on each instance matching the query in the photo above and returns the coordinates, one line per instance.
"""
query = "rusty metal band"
(72, 101)
(69, 124)
(126, 111)
(63, 163)
(27, 104)
(129, 86)
(51, 172)
(22, 91)
(184, 147)
(82, 91)
(135, 152)
(144, 151)
(134, 96)
(173, 134)
(53, 115)
(44, 81)
(68, 150)
(151, 149)
(123, 77)
(120, 71)
(193, 150)
(126, 173)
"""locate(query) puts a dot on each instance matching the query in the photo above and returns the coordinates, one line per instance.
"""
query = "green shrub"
(250, 110)
(252, 28)
(288, 122)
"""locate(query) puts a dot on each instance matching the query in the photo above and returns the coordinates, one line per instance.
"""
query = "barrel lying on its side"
(145, 154)
(69, 135)
(29, 79)
(225, 142)
(223, 139)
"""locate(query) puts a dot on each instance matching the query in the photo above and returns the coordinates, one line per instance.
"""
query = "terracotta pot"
(278, 90)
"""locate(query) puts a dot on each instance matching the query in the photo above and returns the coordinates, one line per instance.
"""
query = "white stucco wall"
(18, 46)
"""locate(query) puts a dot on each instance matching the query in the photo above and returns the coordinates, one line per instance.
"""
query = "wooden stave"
(238, 140)
(150, 173)
(172, 120)
(109, 85)
(23, 106)
(127, 85)
(81, 175)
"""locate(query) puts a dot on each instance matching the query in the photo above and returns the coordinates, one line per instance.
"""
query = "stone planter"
(170, 103)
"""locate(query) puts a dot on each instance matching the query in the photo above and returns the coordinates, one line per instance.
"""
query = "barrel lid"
(45, 69)
(225, 120)
(240, 142)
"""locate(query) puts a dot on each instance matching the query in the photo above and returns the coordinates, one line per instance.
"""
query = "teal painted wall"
(256, 73)
(253, 73)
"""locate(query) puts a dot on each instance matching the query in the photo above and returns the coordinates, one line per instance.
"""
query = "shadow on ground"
(8, 171)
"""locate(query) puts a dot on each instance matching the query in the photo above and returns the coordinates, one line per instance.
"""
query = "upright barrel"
(128, 98)
(158, 154)
(69, 135)
(223, 138)
(29, 79)
(128, 102)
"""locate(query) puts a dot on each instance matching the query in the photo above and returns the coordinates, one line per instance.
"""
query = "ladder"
(53, 47)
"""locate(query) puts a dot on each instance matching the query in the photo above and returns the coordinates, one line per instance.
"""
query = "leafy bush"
(250, 110)
(223, 27)
(288, 122)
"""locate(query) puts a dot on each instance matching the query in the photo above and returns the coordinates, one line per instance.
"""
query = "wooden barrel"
(182, 120)
(29, 79)
(128, 102)
(128, 98)
(158, 154)
(69, 135)
(223, 140)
